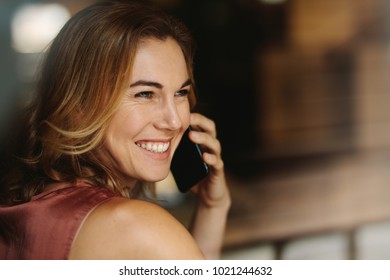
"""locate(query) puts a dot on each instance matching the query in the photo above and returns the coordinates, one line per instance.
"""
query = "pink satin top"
(45, 227)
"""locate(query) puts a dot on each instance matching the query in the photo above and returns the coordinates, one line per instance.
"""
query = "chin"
(157, 177)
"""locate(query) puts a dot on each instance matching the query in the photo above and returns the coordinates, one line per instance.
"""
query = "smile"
(157, 147)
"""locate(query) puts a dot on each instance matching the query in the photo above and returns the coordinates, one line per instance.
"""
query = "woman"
(112, 104)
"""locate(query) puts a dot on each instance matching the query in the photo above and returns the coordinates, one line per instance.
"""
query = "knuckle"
(213, 125)
(220, 165)
(218, 146)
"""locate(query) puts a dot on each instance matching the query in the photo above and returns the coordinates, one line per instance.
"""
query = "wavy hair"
(81, 83)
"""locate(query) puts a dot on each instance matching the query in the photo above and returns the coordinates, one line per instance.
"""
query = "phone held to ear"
(188, 167)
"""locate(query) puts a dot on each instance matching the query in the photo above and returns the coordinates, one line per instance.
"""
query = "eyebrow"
(156, 84)
(187, 83)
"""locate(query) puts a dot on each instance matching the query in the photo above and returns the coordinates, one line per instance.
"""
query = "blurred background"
(299, 90)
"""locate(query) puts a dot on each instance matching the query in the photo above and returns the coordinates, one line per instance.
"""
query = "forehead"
(159, 60)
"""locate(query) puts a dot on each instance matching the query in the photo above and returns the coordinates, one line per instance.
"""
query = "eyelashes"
(144, 94)
(151, 94)
(183, 92)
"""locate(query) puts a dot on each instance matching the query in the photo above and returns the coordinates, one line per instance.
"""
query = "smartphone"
(188, 167)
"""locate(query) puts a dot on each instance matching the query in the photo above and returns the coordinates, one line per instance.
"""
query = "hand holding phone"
(188, 167)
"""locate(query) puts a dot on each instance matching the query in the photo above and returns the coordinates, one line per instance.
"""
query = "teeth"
(154, 147)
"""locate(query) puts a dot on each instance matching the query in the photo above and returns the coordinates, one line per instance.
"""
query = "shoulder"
(133, 229)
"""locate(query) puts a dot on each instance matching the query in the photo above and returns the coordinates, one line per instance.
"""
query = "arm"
(208, 225)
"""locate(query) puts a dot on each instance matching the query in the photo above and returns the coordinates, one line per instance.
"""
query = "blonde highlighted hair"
(82, 79)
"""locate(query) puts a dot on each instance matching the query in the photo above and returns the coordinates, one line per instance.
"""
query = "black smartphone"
(188, 167)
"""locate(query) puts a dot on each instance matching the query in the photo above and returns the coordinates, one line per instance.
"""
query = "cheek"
(185, 114)
(121, 128)
(129, 118)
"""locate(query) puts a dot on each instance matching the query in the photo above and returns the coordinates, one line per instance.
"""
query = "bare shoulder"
(133, 229)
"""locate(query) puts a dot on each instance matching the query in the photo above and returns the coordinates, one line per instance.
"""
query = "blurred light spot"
(273, 1)
(34, 26)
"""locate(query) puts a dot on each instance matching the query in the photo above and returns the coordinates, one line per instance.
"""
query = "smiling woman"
(153, 115)
(112, 103)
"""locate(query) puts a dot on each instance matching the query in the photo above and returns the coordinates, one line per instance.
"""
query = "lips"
(155, 147)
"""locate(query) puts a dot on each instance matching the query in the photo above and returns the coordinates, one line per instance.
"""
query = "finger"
(213, 160)
(203, 123)
(207, 141)
(211, 149)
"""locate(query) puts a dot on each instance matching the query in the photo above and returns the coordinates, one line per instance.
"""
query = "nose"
(169, 117)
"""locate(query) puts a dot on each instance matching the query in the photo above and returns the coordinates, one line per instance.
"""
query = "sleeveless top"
(44, 228)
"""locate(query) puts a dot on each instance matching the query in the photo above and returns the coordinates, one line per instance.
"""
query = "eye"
(144, 94)
(183, 92)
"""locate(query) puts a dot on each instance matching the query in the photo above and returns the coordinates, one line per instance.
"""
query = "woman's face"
(153, 114)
